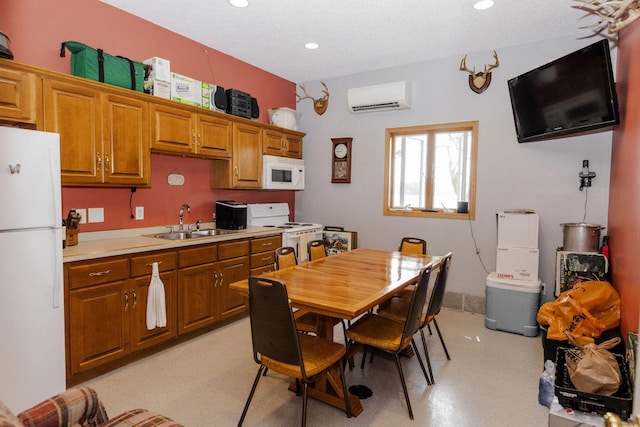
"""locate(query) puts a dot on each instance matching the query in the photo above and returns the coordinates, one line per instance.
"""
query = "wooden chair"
(413, 245)
(391, 336)
(285, 257)
(398, 308)
(316, 249)
(410, 245)
(278, 346)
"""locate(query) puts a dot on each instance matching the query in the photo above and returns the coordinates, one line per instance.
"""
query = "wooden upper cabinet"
(18, 95)
(282, 143)
(247, 156)
(126, 156)
(104, 137)
(73, 111)
(172, 129)
(177, 130)
(214, 136)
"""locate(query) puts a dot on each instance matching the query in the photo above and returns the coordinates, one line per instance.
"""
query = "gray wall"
(541, 175)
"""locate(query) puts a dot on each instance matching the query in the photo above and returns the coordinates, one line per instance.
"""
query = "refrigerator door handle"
(58, 279)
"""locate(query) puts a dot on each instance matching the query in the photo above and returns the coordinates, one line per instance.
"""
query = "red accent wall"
(36, 29)
(624, 193)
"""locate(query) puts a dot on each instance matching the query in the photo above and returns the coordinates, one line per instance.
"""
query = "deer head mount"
(479, 82)
(614, 15)
(320, 105)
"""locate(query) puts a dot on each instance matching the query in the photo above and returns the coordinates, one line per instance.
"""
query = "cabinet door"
(99, 325)
(232, 270)
(293, 145)
(214, 136)
(196, 302)
(273, 142)
(126, 155)
(73, 111)
(18, 96)
(247, 156)
(173, 130)
(141, 337)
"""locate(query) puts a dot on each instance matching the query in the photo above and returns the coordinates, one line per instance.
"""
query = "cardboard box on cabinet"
(186, 90)
(160, 69)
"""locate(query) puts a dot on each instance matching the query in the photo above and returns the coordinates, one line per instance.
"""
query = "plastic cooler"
(512, 305)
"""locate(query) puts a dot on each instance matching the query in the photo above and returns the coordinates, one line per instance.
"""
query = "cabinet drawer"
(262, 244)
(233, 249)
(98, 272)
(262, 270)
(265, 258)
(197, 255)
(141, 265)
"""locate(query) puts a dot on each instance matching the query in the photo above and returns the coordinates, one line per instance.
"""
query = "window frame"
(390, 133)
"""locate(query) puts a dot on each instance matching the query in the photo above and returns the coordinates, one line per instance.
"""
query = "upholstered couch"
(79, 407)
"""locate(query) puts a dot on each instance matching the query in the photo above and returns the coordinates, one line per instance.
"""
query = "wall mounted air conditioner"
(389, 96)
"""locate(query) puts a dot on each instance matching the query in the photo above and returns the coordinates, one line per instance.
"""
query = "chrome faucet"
(182, 208)
(195, 224)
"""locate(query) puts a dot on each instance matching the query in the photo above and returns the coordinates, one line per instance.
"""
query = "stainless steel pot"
(581, 237)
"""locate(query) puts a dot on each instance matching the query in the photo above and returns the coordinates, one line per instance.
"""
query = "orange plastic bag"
(583, 311)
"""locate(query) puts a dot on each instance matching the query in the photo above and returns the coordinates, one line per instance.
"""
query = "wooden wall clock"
(341, 160)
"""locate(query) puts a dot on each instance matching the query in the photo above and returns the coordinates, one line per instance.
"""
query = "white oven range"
(294, 234)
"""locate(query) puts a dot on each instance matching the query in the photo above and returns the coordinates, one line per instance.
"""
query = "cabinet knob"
(126, 301)
(99, 159)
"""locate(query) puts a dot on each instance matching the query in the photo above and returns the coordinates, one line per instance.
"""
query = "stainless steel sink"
(182, 235)
(213, 232)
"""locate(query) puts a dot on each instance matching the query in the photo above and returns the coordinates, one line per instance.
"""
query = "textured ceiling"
(357, 35)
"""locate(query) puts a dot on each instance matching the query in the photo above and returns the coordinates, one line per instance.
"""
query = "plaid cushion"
(140, 418)
(74, 407)
(7, 419)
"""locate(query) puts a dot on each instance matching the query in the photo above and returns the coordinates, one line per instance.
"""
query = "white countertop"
(101, 244)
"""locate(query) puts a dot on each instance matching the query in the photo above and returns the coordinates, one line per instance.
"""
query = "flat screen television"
(572, 95)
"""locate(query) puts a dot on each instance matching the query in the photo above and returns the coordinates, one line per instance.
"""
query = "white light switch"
(96, 214)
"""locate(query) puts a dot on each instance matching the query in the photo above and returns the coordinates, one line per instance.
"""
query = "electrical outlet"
(95, 214)
(139, 212)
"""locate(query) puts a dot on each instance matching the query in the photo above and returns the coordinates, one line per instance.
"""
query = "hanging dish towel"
(304, 238)
(156, 309)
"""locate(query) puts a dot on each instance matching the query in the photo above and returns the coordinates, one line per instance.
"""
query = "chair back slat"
(413, 245)
(316, 249)
(414, 315)
(437, 294)
(273, 330)
(285, 257)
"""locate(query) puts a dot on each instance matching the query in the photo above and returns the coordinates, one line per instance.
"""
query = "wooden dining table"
(344, 286)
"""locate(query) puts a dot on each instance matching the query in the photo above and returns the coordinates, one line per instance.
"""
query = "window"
(429, 169)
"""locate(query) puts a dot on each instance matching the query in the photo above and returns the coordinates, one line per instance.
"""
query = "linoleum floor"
(491, 380)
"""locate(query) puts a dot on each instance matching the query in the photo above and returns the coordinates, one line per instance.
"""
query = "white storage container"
(518, 228)
(160, 69)
(517, 263)
(512, 305)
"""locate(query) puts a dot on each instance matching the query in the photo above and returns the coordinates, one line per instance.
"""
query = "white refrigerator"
(32, 349)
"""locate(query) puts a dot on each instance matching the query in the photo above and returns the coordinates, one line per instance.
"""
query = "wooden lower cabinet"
(107, 308)
(263, 254)
(106, 301)
(203, 283)
(99, 325)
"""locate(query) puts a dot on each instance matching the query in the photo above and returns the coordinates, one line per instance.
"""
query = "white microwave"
(282, 173)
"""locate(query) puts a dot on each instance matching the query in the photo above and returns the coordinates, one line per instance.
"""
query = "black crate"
(620, 402)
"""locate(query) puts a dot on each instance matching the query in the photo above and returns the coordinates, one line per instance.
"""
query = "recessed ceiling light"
(483, 4)
(239, 3)
(311, 45)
